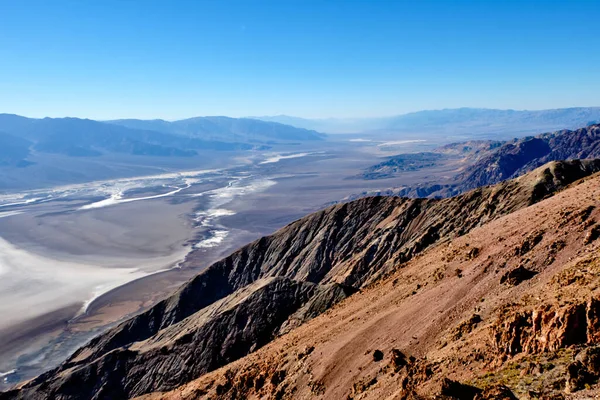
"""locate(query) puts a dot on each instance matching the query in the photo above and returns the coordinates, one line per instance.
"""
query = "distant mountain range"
(245, 130)
(87, 138)
(459, 120)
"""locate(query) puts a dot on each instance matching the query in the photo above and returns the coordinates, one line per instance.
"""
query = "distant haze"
(460, 120)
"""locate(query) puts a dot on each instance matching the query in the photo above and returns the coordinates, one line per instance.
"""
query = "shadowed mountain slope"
(490, 162)
(518, 157)
(13, 150)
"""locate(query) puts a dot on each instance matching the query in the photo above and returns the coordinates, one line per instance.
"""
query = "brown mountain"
(509, 310)
(279, 282)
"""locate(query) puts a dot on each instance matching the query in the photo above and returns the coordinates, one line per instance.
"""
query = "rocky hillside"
(523, 155)
(468, 152)
(509, 310)
(279, 282)
(487, 162)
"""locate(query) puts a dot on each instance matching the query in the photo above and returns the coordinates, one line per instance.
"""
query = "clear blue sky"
(173, 59)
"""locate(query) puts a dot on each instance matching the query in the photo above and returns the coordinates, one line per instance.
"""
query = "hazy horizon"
(333, 117)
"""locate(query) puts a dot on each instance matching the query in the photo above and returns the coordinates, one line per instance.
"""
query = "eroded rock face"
(547, 328)
(520, 156)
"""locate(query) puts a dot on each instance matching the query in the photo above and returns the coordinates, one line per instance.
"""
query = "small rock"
(458, 390)
(592, 235)
(577, 377)
(497, 392)
(398, 360)
(517, 275)
(377, 355)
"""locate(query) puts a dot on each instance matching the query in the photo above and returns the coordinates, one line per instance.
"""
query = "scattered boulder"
(465, 327)
(458, 390)
(590, 359)
(473, 253)
(278, 377)
(398, 360)
(585, 370)
(529, 243)
(361, 386)
(577, 377)
(592, 235)
(306, 352)
(517, 275)
(585, 214)
(496, 392)
(377, 355)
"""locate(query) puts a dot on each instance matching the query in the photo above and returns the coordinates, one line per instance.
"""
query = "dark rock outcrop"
(457, 390)
(219, 334)
(517, 275)
(585, 370)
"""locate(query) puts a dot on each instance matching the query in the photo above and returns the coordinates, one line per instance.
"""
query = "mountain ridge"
(448, 324)
(78, 137)
(225, 128)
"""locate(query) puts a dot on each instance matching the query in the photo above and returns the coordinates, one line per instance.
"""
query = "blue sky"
(175, 59)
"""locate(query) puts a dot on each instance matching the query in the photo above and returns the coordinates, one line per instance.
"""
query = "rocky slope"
(523, 155)
(464, 152)
(488, 163)
(279, 282)
(509, 310)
